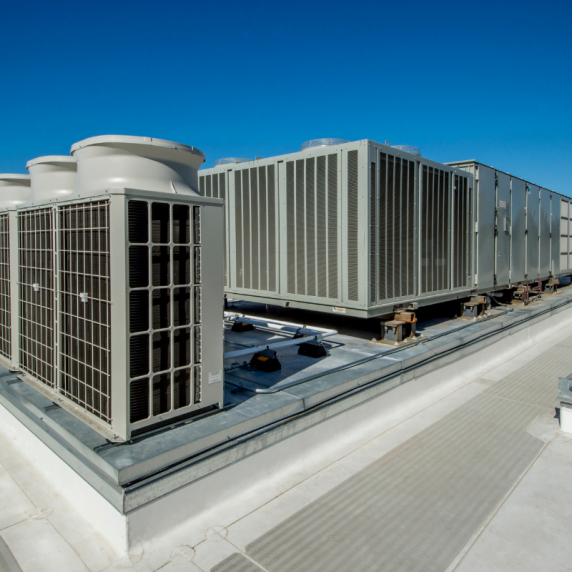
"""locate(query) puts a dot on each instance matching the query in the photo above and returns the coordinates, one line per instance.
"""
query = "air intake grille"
(84, 313)
(312, 226)
(165, 309)
(255, 228)
(434, 230)
(392, 229)
(37, 296)
(461, 240)
(5, 310)
(353, 269)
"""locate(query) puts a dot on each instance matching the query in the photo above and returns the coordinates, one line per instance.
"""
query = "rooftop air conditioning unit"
(138, 329)
(356, 228)
(14, 190)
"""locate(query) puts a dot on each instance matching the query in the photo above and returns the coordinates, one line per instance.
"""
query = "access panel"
(502, 238)
(518, 231)
(532, 206)
(545, 262)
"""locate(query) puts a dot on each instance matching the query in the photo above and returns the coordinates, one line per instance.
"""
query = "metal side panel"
(554, 234)
(485, 177)
(544, 255)
(503, 218)
(564, 234)
(532, 236)
(518, 231)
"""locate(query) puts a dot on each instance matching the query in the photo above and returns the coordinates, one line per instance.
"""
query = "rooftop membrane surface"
(475, 479)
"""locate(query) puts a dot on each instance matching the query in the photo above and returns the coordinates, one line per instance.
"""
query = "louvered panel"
(290, 228)
(383, 227)
(246, 228)
(5, 294)
(446, 219)
(372, 236)
(208, 192)
(215, 187)
(403, 229)
(321, 228)
(300, 230)
(254, 221)
(396, 271)
(263, 228)
(424, 216)
(333, 226)
(353, 260)
(37, 295)
(85, 304)
(411, 230)
(390, 234)
(310, 227)
(273, 255)
(222, 186)
(238, 229)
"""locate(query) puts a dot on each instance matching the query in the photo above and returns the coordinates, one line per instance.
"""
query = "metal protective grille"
(392, 229)
(312, 226)
(164, 308)
(84, 312)
(255, 228)
(37, 294)
(5, 300)
(435, 230)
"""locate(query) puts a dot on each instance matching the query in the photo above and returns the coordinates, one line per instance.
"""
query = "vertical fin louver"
(395, 229)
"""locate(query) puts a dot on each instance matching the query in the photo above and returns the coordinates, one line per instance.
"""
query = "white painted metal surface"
(53, 177)
(14, 189)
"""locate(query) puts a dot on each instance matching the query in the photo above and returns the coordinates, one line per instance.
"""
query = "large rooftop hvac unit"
(134, 258)
(14, 190)
(522, 229)
(356, 228)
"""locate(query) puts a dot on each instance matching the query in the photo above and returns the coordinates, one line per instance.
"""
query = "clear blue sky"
(485, 80)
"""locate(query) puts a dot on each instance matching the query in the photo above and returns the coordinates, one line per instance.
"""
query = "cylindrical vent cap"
(142, 163)
(14, 189)
(230, 160)
(53, 177)
(322, 143)
(408, 149)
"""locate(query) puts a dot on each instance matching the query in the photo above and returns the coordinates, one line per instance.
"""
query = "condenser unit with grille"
(134, 257)
(355, 228)
(14, 190)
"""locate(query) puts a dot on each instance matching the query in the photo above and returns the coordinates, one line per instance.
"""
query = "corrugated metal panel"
(263, 213)
(84, 326)
(37, 295)
(373, 227)
(460, 231)
(352, 206)
(5, 297)
(321, 227)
